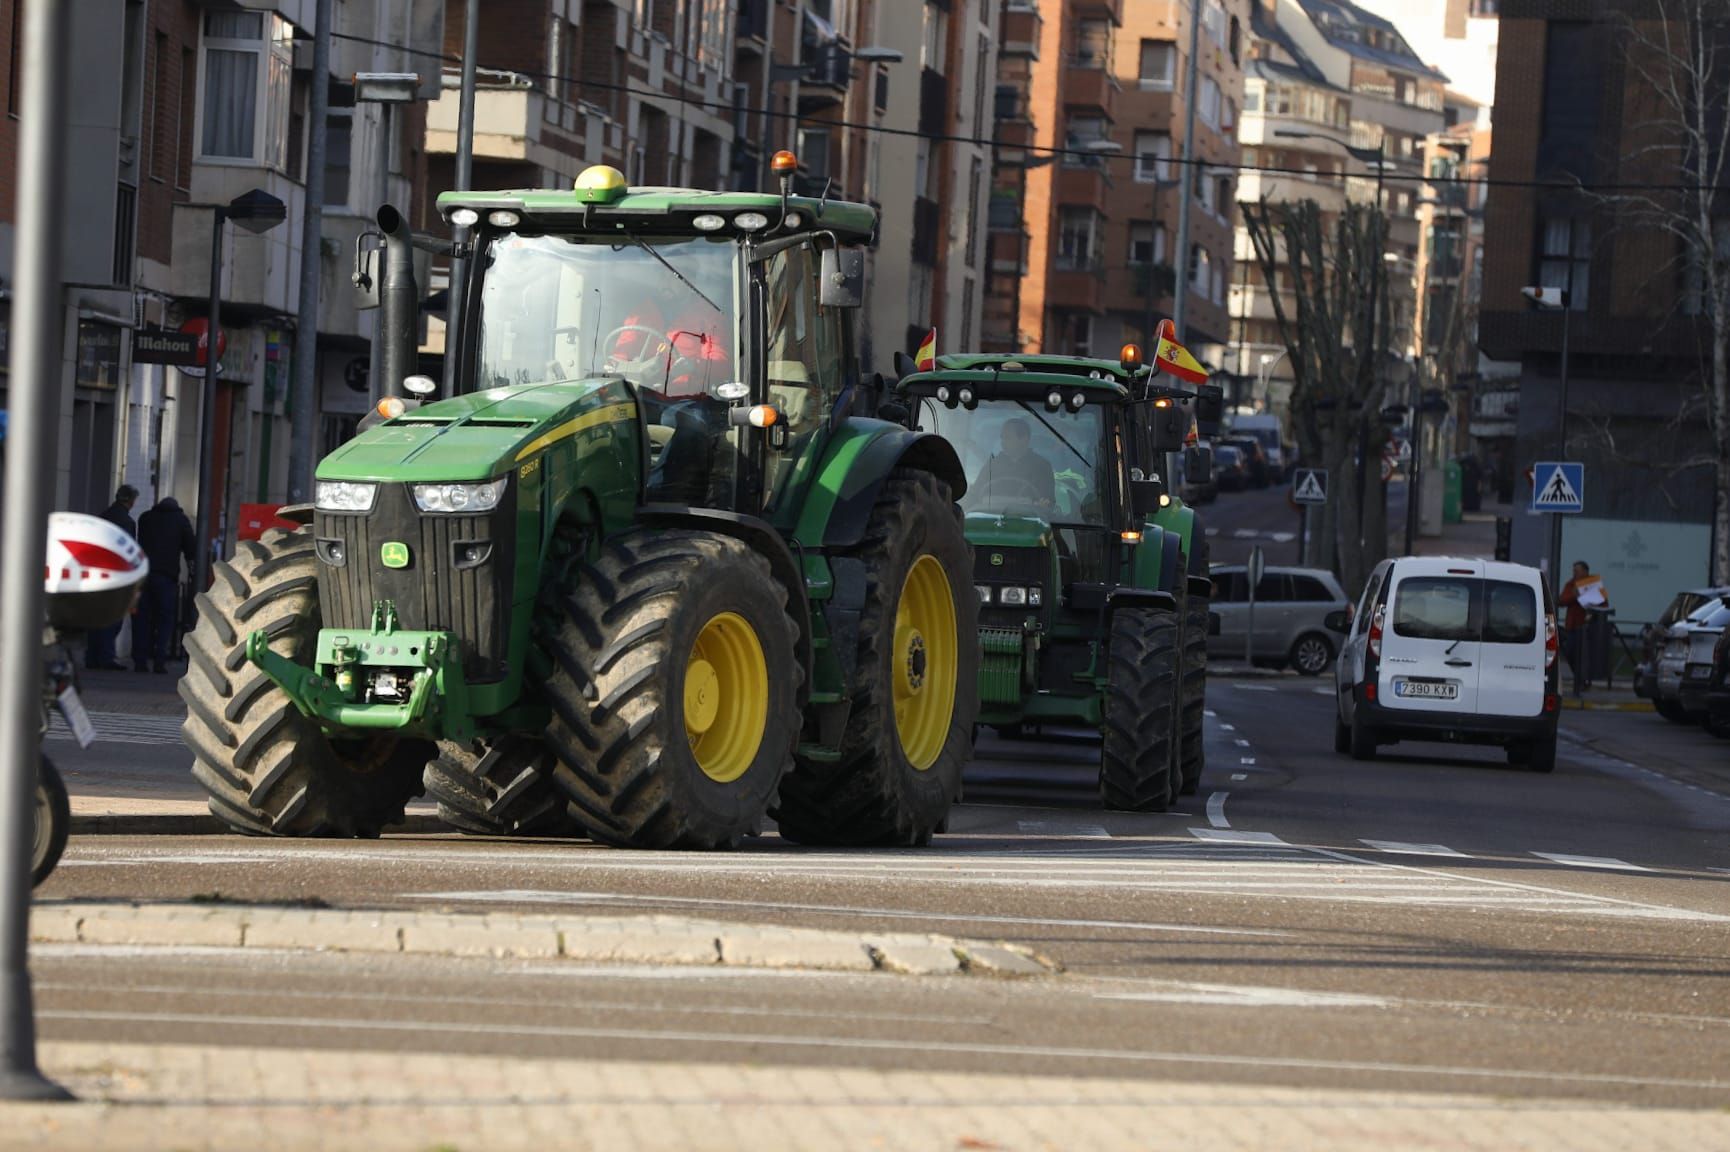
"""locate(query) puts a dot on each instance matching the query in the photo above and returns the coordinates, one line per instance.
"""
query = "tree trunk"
(1719, 400)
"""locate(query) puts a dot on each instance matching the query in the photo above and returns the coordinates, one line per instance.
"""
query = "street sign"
(1310, 485)
(1257, 565)
(1558, 486)
(160, 346)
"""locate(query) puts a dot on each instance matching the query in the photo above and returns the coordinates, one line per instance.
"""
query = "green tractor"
(650, 576)
(1091, 573)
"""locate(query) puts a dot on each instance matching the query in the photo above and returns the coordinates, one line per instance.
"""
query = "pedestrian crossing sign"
(1310, 486)
(1558, 486)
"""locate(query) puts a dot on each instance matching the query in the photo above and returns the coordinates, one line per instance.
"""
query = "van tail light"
(1552, 702)
(1550, 646)
(1375, 638)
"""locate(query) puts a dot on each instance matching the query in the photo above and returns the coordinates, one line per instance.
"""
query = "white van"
(1459, 650)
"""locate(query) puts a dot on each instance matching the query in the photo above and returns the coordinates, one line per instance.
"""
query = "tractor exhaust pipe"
(396, 340)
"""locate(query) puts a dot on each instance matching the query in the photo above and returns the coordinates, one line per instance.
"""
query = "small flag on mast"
(1174, 359)
(926, 359)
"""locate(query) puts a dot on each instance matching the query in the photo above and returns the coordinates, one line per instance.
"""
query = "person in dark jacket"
(166, 536)
(100, 653)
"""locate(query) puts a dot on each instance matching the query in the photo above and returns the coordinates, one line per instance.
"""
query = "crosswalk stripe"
(123, 727)
(1233, 836)
(1591, 862)
(1412, 849)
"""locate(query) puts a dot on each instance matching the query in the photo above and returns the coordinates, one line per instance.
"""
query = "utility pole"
(303, 397)
(1186, 177)
(464, 177)
(38, 323)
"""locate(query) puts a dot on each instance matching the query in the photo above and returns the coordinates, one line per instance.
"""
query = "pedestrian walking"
(1581, 595)
(99, 648)
(167, 538)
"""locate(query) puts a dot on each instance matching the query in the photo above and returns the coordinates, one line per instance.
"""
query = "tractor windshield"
(1022, 459)
(661, 312)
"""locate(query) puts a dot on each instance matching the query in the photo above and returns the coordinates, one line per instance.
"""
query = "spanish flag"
(926, 358)
(1174, 359)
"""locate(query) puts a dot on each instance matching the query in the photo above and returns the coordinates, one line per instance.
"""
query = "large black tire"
(875, 793)
(53, 821)
(270, 770)
(500, 789)
(1538, 755)
(1140, 697)
(1195, 671)
(1363, 738)
(624, 757)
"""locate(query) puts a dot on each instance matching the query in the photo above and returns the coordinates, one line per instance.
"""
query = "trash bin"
(1451, 492)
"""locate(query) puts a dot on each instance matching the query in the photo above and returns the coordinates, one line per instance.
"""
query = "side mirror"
(905, 365)
(1198, 463)
(1144, 498)
(1209, 409)
(842, 278)
(1168, 425)
(1339, 621)
(1213, 624)
(895, 412)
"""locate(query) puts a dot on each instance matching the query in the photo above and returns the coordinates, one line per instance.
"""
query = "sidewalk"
(140, 693)
(158, 1096)
(1474, 535)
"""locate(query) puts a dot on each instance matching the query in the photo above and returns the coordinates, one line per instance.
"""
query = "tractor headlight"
(343, 496)
(984, 591)
(1014, 597)
(482, 497)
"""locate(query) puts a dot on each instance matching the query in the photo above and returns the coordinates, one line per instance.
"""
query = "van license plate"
(1426, 690)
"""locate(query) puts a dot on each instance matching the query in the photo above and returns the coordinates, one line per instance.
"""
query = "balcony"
(828, 71)
(1007, 251)
(1081, 185)
(1088, 87)
(1014, 134)
(751, 32)
(514, 121)
(1022, 25)
(1111, 10)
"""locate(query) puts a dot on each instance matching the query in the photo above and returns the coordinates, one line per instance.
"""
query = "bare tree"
(1680, 49)
(1333, 329)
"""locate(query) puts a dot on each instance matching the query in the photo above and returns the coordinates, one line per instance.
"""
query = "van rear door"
(1430, 640)
(1512, 678)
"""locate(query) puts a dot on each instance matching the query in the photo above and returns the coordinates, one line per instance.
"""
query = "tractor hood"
(481, 435)
(992, 530)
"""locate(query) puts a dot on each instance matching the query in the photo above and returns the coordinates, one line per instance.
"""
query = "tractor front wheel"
(674, 691)
(1140, 699)
(270, 770)
(915, 688)
(504, 788)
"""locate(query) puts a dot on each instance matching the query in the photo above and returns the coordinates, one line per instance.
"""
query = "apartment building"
(1331, 87)
(1572, 110)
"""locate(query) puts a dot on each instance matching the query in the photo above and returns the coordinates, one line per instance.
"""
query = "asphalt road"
(1238, 521)
(1434, 921)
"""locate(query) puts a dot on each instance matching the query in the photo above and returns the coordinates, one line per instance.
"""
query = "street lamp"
(258, 212)
(1557, 298)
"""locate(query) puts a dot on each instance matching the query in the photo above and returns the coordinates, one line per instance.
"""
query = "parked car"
(1230, 472)
(1460, 650)
(1653, 635)
(1254, 459)
(1266, 428)
(1685, 662)
(1718, 689)
(1291, 609)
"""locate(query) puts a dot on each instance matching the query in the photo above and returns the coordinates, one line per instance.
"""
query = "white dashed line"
(1591, 862)
(1067, 831)
(1210, 714)
(1226, 727)
(1216, 810)
(1282, 537)
(1231, 836)
(1245, 533)
(1243, 743)
(1246, 759)
(1412, 849)
(1254, 687)
(1322, 691)
(1244, 776)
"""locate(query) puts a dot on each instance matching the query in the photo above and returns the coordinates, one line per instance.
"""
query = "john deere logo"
(997, 559)
(393, 555)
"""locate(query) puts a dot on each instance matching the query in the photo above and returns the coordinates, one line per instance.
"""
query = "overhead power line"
(720, 106)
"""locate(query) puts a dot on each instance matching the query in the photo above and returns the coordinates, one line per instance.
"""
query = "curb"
(668, 940)
(1574, 704)
(202, 824)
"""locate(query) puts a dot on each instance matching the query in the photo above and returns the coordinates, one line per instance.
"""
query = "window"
(975, 181)
(1158, 60)
(98, 355)
(1510, 613)
(157, 161)
(1309, 590)
(1206, 191)
(1213, 21)
(1209, 102)
(1077, 233)
(248, 66)
(1200, 269)
(1223, 202)
(554, 79)
(1152, 157)
(1146, 244)
(1080, 131)
(934, 39)
(982, 75)
(338, 156)
(1252, 100)
(1436, 608)
(1234, 40)
(814, 155)
(1566, 261)
(184, 115)
(1092, 43)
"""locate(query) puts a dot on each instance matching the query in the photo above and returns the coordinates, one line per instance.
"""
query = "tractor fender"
(295, 513)
(1179, 519)
(1201, 586)
(1126, 597)
(762, 537)
(850, 477)
(1171, 571)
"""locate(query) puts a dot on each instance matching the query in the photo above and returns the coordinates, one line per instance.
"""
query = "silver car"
(1290, 607)
(1685, 662)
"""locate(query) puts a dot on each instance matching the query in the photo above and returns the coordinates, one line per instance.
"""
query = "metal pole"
(464, 176)
(1186, 179)
(377, 388)
(1415, 482)
(207, 404)
(1377, 266)
(303, 399)
(1152, 230)
(1561, 438)
(38, 322)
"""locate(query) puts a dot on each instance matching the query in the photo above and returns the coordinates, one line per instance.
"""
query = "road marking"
(122, 728)
(1241, 743)
(1282, 537)
(1322, 691)
(1413, 849)
(1210, 713)
(1216, 810)
(685, 1039)
(1591, 862)
(1254, 687)
(1245, 996)
(1226, 727)
(1239, 776)
(1227, 836)
(1246, 759)
(1245, 533)
(1067, 831)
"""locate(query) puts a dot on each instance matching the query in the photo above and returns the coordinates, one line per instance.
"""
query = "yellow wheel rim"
(726, 697)
(923, 662)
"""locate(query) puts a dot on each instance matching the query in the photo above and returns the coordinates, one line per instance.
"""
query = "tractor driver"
(674, 340)
(1018, 474)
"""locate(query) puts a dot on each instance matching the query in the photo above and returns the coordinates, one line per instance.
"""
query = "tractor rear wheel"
(270, 770)
(502, 788)
(1140, 698)
(674, 691)
(915, 689)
